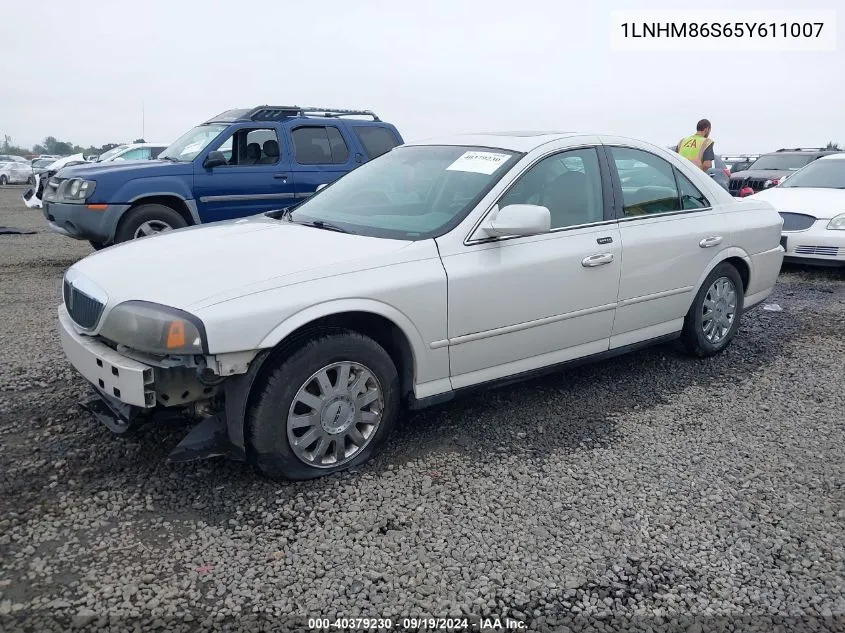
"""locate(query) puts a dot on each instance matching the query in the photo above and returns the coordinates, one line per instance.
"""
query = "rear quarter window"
(376, 140)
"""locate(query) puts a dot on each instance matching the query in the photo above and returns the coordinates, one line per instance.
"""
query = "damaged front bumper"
(208, 438)
(32, 196)
(129, 394)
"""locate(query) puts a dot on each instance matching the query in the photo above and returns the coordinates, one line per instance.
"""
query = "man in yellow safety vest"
(698, 148)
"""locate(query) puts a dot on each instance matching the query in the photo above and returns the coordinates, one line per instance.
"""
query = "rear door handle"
(280, 176)
(709, 242)
(597, 260)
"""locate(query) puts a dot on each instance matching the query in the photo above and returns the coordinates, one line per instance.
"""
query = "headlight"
(837, 223)
(77, 189)
(154, 328)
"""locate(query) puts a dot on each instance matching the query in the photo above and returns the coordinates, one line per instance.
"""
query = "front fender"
(135, 189)
(328, 308)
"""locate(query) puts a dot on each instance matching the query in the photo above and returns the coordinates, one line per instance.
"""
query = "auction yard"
(652, 487)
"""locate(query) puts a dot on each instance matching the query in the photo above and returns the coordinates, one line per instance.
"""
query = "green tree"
(833, 146)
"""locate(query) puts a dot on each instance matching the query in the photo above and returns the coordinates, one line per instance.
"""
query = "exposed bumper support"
(209, 438)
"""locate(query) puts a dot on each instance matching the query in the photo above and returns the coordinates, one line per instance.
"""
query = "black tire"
(30, 180)
(138, 216)
(267, 433)
(693, 336)
(3, 181)
(96, 245)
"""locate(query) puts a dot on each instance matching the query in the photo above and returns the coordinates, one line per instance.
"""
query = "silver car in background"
(15, 173)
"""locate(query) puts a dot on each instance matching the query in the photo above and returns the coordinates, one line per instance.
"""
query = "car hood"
(199, 266)
(824, 204)
(767, 174)
(139, 168)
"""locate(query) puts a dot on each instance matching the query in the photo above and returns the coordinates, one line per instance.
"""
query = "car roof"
(523, 141)
(834, 156)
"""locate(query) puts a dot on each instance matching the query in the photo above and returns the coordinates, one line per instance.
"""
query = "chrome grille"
(797, 221)
(829, 251)
(84, 310)
(736, 184)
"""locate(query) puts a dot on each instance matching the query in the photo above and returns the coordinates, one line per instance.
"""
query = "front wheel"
(3, 181)
(713, 319)
(326, 406)
(148, 219)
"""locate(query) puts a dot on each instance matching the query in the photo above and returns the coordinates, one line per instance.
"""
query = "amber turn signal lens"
(97, 207)
(176, 335)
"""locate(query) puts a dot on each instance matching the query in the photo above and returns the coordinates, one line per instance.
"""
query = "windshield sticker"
(193, 147)
(479, 162)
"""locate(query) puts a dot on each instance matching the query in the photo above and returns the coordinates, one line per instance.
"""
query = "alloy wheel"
(335, 414)
(718, 310)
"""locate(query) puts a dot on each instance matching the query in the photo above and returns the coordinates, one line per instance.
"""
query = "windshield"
(43, 162)
(187, 146)
(820, 174)
(781, 162)
(409, 193)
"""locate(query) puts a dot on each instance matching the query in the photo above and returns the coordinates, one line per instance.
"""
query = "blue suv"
(239, 163)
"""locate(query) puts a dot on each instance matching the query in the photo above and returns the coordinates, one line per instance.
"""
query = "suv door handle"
(280, 176)
(708, 242)
(597, 260)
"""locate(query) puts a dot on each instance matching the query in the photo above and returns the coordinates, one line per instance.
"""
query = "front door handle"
(597, 260)
(280, 176)
(709, 242)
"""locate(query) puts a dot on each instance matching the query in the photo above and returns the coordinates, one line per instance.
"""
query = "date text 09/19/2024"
(416, 624)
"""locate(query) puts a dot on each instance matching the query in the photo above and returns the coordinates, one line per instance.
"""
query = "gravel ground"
(652, 492)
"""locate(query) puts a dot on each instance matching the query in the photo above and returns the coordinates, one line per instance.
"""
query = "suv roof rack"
(803, 149)
(273, 113)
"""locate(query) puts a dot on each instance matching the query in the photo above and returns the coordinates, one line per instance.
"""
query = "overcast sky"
(80, 70)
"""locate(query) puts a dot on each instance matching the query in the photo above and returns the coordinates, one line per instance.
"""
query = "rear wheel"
(325, 407)
(148, 219)
(3, 181)
(30, 180)
(713, 319)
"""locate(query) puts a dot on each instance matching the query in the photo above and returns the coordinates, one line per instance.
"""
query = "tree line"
(51, 145)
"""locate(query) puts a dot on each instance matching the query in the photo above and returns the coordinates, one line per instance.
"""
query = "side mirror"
(517, 219)
(215, 159)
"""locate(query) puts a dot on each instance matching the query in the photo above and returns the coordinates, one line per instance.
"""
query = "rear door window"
(319, 145)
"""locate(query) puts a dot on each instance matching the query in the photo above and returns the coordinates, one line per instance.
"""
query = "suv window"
(568, 184)
(376, 140)
(319, 145)
(251, 146)
(783, 161)
(646, 189)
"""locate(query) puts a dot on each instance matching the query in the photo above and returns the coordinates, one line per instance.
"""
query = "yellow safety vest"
(692, 148)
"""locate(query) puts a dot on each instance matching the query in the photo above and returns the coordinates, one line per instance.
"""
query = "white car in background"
(132, 151)
(15, 173)
(438, 267)
(812, 204)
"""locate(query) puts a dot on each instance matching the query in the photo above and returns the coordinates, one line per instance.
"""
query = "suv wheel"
(3, 181)
(148, 219)
(713, 318)
(325, 407)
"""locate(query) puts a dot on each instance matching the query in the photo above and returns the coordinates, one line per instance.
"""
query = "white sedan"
(812, 204)
(441, 266)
